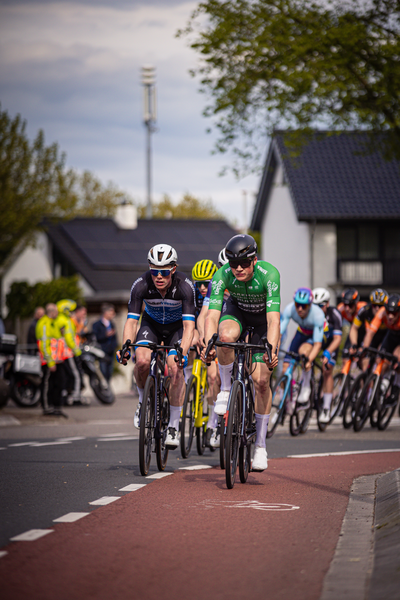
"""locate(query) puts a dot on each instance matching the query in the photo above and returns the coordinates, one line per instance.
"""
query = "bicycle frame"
(199, 371)
(243, 378)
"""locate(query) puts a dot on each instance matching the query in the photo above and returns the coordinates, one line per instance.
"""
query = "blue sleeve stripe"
(143, 343)
(133, 316)
(337, 332)
(188, 318)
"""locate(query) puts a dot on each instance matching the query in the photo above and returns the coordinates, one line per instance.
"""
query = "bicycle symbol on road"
(254, 504)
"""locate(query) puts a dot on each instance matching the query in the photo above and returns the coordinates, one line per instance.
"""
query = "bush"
(23, 298)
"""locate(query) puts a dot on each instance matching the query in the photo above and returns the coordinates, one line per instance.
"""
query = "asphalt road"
(52, 468)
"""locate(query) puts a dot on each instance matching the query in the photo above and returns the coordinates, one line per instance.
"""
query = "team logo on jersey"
(145, 334)
(261, 269)
(174, 291)
(217, 285)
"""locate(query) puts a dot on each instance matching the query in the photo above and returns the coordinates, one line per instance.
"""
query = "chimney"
(126, 216)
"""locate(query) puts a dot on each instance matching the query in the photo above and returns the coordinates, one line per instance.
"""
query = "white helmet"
(321, 295)
(222, 260)
(162, 255)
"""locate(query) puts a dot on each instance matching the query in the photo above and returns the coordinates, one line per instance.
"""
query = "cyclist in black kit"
(169, 316)
(330, 346)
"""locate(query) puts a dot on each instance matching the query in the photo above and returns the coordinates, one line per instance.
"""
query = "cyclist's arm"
(211, 327)
(187, 337)
(373, 328)
(273, 322)
(335, 343)
(201, 319)
(353, 334)
(287, 313)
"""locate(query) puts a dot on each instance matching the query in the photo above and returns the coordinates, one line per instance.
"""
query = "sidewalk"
(366, 563)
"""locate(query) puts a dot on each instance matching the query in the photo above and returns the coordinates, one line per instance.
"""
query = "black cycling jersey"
(333, 322)
(178, 304)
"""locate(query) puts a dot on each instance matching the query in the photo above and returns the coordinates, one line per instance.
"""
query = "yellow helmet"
(203, 270)
(66, 306)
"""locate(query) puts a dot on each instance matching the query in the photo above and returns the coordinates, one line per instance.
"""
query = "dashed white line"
(71, 439)
(31, 535)
(3, 553)
(71, 517)
(22, 444)
(49, 444)
(132, 487)
(105, 500)
(343, 453)
(159, 475)
(117, 439)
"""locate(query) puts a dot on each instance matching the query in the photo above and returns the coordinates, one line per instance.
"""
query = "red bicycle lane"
(188, 536)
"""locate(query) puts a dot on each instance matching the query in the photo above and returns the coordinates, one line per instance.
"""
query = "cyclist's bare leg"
(213, 383)
(142, 366)
(177, 387)
(263, 398)
(228, 331)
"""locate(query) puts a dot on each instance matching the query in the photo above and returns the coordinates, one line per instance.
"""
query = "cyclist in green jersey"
(254, 287)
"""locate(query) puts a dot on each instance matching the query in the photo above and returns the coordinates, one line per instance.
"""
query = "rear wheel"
(187, 423)
(278, 405)
(161, 448)
(25, 392)
(300, 418)
(364, 402)
(388, 409)
(146, 427)
(351, 400)
(232, 440)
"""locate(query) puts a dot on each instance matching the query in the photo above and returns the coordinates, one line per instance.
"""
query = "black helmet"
(241, 246)
(393, 303)
(378, 297)
(350, 296)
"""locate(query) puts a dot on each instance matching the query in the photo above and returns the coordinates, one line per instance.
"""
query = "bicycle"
(285, 393)
(154, 414)
(355, 391)
(194, 422)
(342, 383)
(239, 420)
(374, 397)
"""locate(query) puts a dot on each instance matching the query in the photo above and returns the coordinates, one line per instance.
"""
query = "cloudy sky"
(73, 69)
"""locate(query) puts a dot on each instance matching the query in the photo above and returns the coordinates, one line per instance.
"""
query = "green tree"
(297, 64)
(23, 298)
(189, 207)
(35, 183)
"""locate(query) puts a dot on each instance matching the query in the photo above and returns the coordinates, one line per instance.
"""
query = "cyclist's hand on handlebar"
(210, 357)
(124, 354)
(274, 360)
(307, 365)
(182, 363)
(353, 349)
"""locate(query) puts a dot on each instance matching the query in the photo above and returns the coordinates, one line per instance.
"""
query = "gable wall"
(285, 242)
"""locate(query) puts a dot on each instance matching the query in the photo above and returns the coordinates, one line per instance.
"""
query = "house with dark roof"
(330, 216)
(109, 254)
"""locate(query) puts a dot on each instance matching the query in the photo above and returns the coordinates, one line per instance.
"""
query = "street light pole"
(149, 118)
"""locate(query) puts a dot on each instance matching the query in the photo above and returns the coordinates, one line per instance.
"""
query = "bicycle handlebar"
(266, 346)
(386, 355)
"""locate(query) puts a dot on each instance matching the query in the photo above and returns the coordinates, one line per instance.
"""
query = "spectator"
(31, 337)
(104, 330)
(3, 329)
(79, 318)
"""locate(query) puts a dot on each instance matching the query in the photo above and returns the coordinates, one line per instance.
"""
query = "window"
(358, 242)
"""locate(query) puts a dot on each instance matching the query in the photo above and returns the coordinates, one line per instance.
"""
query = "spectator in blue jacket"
(104, 330)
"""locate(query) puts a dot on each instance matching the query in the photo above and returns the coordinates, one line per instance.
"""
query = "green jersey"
(260, 294)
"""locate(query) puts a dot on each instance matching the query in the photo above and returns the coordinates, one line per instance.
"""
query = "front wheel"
(245, 450)
(388, 409)
(279, 396)
(102, 390)
(233, 433)
(161, 432)
(364, 403)
(146, 427)
(187, 423)
(221, 427)
(300, 418)
(351, 400)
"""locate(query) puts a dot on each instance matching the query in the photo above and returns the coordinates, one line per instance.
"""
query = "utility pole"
(149, 118)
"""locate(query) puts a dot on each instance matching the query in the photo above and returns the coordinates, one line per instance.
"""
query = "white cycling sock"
(140, 392)
(174, 416)
(212, 417)
(261, 428)
(306, 379)
(327, 401)
(225, 373)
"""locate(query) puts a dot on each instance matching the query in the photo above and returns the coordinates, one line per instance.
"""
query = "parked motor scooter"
(21, 373)
(90, 356)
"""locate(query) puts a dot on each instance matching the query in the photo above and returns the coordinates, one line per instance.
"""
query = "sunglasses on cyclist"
(350, 304)
(304, 306)
(322, 305)
(200, 283)
(393, 312)
(244, 263)
(163, 272)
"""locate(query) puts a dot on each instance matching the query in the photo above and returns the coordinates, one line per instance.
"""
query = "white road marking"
(31, 535)
(3, 448)
(343, 453)
(117, 439)
(71, 517)
(132, 487)
(195, 467)
(71, 439)
(6, 420)
(3, 553)
(49, 444)
(22, 444)
(158, 475)
(105, 500)
(104, 422)
(108, 435)
(253, 504)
